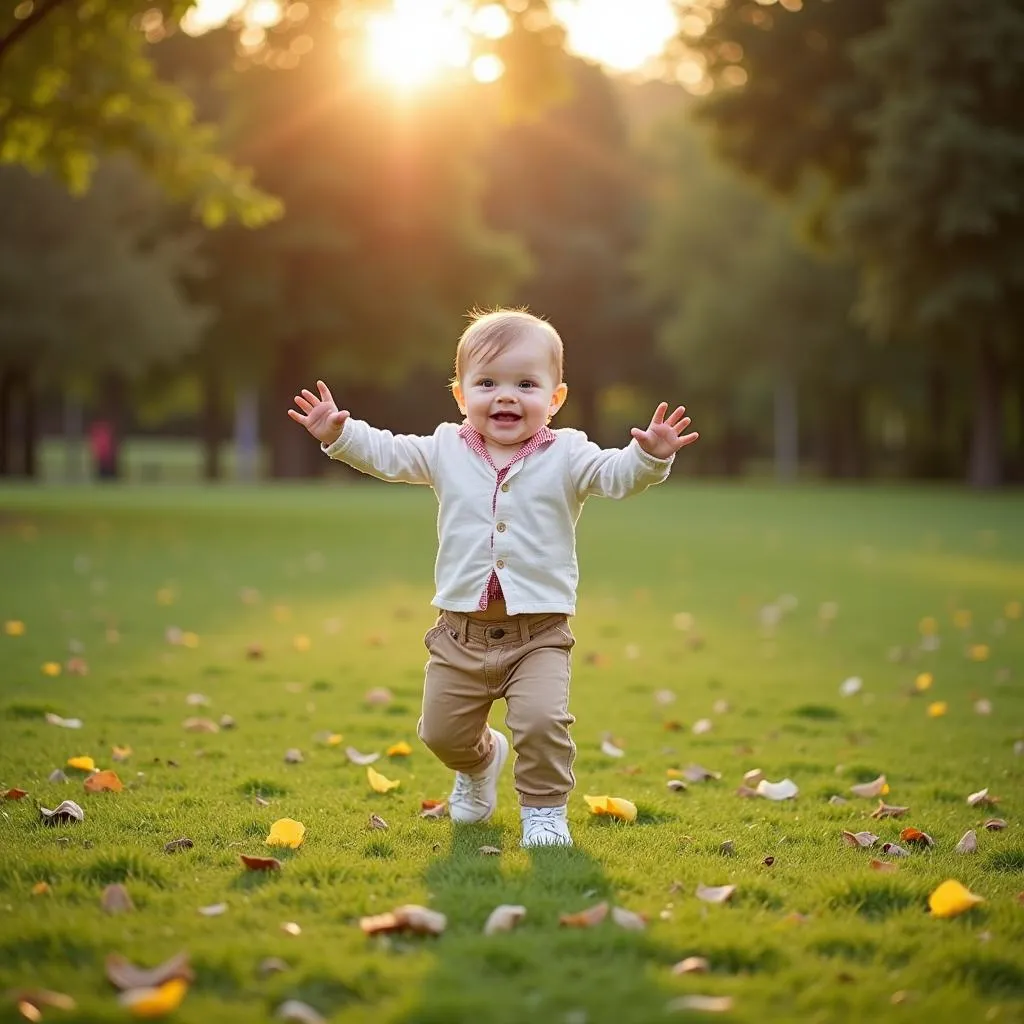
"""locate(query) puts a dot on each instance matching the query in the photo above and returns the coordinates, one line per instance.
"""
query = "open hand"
(320, 416)
(664, 437)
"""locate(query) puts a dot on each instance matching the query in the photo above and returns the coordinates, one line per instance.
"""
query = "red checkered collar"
(476, 441)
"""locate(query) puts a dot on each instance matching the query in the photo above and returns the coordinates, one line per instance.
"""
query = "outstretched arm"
(664, 437)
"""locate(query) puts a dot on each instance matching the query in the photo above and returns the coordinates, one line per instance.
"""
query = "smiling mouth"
(506, 417)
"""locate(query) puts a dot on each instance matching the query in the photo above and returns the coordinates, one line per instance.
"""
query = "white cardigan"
(535, 509)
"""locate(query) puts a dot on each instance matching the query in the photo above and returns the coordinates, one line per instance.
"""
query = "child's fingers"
(303, 404)
(688, 439)
(339, 417)
(674, 419)
(309, 396)
(325, 391)
(659, 413)
(298, 417)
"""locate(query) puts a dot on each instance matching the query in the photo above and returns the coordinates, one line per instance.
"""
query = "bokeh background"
(804, 219)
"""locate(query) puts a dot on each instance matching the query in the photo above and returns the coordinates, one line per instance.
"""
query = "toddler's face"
(509, 396)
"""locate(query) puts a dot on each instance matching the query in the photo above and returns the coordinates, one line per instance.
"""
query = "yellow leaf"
(286, 832)
(334, 739)
(978, 652)
(962, 618)
(190, 640)
(165, 596)
(14, 627)
(155, 1002)
(951, 898)
(40, 888)
(378, 783)
(83, 764)
(923, 682)
(301, 642)
(937, 709)
(399, 749)
(51, 668)
(928, 626)
(120, 753)
(612, 806)
(1011, 611)
(106, 780)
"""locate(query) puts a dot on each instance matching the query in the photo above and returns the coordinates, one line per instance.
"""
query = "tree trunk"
(985, 460)
(17, 423)
(5, 420)
(29, 428)
(73, 434)
(787, 456)
(212, 421)
(247, 434)
(293, 453)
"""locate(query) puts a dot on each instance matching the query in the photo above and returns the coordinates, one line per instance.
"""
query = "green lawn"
(818, 935)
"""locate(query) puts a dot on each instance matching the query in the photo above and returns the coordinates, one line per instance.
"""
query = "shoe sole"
(501, 756)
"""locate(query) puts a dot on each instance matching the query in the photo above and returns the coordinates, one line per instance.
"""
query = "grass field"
(333, 585)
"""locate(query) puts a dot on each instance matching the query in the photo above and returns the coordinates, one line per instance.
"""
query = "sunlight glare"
(622, 36)
(416, 42)
(488, 68)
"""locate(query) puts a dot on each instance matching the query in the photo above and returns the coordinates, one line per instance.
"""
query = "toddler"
(510, 490)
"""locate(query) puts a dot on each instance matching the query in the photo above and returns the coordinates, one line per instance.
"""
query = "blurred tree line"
(820, 255)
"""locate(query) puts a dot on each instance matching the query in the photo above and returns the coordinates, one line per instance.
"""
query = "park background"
(802, 219)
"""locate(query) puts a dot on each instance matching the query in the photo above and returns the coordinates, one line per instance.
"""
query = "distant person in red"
(101, 443)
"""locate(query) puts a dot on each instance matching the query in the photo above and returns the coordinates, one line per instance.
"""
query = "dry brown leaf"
(293, 756)
(227, 722)
(177, 845)
(837, 801)
(433, 809)
(753, 777)
(299, 1012)
(291, 928)
(697, 773)
(585, 918)
(746, 792)
(125, 975)
(504, 918)
(408, 918)
(120, 753)
(105, 781)
(14, 794)
(200, 725)
(676, 785)
(704, 1004)
(969, 842)
(860, 838)
(982, 799)
(260, 863)
(917, 837)
(715, 893)
(877, 787)
(883, 866)
(994, 825)
(271, 965)
(893, 850)
(610, 749)
(30, 1002)
(627, 919)
(492, 851)
(376, 821)
(116, 900)
(692, 965)
(65, 813)
(197, 700)
(884, 810)
(379, 696)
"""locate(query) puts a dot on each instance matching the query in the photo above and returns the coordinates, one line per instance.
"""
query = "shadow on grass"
(540, 971)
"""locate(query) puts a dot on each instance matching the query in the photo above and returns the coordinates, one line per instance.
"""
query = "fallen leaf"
(585, 918)
(692, 965)
(155, 1002)
(260, 863)
(116, 899)
(376, 821)
(200, 725)
(31, 1002)
(504, 918)
(226, 722)
(286, 832)
(214, 910)
(611, 806)
(753, 777)
(837, 801)
(197, 700)
(768, 861)
(56, 776)
(697, 773)
(14, 627)
(878, 787)
(433, 809)
(64, 723)
(293, 756)
(983, 706)
(923, 682)
(14, 794)
(937, 709)
(994, 825)
(916, 836)
(860, 838)
(301, 642)
(884, 810)
(378, 783)
(399, 749)
(271, 965)
(105, 781)
(677, 785)
(408, 918)
(291, 928)
(883, 866)
(609, 748)
(969, 842)
(848, 687)
(82, 764)
(492, 851)
(65, 813)
(120, 753)
(177, 845)
(379, 696)
(123, 974)
(892, 850)
(50, 668)
(299, 1012)
(41, 889)
(785, 789)
(702, 726)
(728, 848)
(705, 1004)
(981, 799)
(361, 759)
(715, 893)
(951, 899)
(628, 919)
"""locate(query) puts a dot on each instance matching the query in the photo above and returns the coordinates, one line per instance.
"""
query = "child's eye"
(527, 384)
(487, 383)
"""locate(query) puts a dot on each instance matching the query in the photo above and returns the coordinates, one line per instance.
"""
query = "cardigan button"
(505, 487)
(501, 527)
(500, 563)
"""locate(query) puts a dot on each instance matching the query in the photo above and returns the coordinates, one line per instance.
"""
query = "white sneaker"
(475, 797)
(545, 826)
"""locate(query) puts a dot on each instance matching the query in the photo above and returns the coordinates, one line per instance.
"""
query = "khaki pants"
(525, 660)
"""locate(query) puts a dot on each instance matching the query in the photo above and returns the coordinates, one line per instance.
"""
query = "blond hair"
(489, 333)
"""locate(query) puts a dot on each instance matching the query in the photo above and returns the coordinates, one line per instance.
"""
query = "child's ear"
(459, 399)
(558, 399)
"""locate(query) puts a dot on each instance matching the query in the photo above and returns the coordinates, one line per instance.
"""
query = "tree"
(937, 223)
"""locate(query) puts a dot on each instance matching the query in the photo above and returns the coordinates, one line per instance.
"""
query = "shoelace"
(548, 820)
(467, 786)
